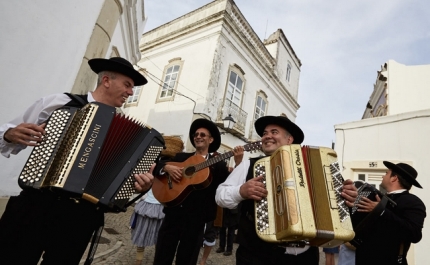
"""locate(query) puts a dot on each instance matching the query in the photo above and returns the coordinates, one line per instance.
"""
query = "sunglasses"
(202, 134)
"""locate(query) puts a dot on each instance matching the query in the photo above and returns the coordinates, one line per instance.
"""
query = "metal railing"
(227, 107)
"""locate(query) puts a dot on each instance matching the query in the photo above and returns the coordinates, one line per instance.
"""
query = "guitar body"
(195, 175)
(191, 180)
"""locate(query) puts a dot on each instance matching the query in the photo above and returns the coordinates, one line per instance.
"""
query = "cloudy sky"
(341, 44)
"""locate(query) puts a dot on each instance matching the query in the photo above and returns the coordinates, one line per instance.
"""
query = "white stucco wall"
(43, 43)
(407, 86)
(397, 138)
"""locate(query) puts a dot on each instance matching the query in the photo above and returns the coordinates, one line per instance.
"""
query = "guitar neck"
(214, 160)
(220, 157)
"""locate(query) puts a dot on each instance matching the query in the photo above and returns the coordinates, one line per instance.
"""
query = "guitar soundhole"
(189, 171)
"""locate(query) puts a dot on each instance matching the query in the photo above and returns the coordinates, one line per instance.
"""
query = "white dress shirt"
(228, 196)
(37, 113)
(227, 193)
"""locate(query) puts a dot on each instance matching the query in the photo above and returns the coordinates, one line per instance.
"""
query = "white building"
(395, 127)
(210, 63)
(45, 48)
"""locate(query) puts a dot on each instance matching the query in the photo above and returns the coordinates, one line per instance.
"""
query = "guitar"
(195, 175)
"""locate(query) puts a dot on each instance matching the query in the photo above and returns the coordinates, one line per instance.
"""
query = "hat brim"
(403, 173)
(99, 64)
(213, 130)
(284, 122)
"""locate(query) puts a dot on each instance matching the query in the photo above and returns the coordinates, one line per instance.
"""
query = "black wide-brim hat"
(406, 171)
(282, 121)
(213, 130)
(119, 65)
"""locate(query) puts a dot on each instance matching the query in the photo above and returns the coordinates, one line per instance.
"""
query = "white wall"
(394, 138)
(408, 87)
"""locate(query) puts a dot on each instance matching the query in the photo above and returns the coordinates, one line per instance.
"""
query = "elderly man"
(242, 187)
(181, 233)
(40, 221)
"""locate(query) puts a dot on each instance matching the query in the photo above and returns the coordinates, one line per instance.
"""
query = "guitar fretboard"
(220, 157)
(214, 160)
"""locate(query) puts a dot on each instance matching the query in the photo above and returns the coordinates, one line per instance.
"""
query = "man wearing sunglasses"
(183, 226)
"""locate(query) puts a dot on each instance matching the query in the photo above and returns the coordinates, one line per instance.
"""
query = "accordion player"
(303, 201)
(92, 153)
(362, 221)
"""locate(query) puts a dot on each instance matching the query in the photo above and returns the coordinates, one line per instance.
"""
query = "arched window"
(135, 97)
(234, 88)
(170, 80)
(260, 105)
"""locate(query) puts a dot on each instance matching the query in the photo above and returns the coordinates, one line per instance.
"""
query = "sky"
(341, 44)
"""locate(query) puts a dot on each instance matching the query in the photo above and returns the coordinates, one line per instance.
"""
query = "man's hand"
(366, 205)
(349, 192)
(253, 189)
(174, 172)
(144, 181)
(26, 134)
(238, 154)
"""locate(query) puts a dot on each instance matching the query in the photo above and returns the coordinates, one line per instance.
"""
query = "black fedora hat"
(405, 171)
(213, 130)
(282, 121)
(119, 65)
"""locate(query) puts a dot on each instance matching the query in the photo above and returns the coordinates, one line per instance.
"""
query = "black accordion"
(363, 221)
(92, 153)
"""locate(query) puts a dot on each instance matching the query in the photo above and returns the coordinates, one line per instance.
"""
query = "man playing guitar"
(183, 225)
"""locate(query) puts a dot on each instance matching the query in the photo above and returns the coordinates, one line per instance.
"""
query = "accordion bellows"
(303, 202)
(92, 153)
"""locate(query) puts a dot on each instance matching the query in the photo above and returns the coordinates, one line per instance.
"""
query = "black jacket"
(199, 203)
(400, 224)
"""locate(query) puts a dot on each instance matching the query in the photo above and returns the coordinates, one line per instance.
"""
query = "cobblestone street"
(115, 247)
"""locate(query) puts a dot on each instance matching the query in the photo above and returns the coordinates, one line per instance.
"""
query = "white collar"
(396, 191)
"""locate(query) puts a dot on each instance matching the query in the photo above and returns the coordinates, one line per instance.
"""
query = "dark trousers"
(181, 234)
(226, 235)
(37, 222)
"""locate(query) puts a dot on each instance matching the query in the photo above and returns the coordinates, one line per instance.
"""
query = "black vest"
(247, 206)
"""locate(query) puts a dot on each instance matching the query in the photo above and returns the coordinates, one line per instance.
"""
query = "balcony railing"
(253, 135)
(239, 115)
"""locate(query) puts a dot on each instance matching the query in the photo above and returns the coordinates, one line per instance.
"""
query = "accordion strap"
(94, 243)
(400, 257)
(135, 199)
(77, 98)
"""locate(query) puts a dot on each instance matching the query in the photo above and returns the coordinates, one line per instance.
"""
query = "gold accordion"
(92, 153)
(304, 202)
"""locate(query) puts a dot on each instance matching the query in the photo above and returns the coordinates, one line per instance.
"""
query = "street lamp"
(228, 122)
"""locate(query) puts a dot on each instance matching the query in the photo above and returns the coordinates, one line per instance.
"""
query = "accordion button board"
(92, 153)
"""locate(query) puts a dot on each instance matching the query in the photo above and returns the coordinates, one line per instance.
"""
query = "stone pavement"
(115, 247)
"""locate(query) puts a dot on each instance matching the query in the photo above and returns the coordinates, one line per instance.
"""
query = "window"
(373, 178)
(260, 106)
(288, 72)
(169, 81)
(234, 89)
(135, 97)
